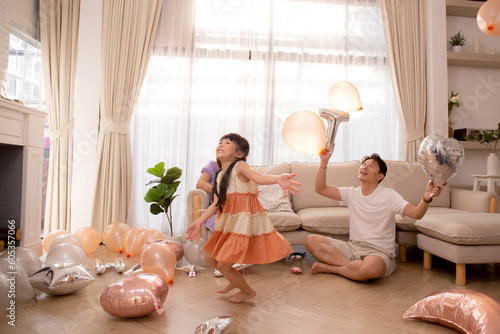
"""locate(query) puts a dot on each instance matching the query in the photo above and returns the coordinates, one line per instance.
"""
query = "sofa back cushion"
(341, 174)
(277, 169)
(410, 181)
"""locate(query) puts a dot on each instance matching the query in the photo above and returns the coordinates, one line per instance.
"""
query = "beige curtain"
(59, 39)
(128, 32)
(404, 30)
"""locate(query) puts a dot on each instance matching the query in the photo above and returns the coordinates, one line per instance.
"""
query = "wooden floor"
(285, 302)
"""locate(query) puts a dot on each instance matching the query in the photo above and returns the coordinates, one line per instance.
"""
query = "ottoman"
(462, 238)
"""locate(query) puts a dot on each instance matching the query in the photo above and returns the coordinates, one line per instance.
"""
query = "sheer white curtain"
(245, 66)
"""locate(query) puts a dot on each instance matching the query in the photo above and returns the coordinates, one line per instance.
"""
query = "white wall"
(86, 113)
(480, 91)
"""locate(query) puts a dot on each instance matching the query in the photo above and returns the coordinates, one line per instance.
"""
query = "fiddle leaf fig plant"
(162, 194)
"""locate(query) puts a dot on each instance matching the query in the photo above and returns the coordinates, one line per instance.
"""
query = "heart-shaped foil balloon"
(440, 158)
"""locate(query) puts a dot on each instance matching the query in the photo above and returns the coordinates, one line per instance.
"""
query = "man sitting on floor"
(371, 250)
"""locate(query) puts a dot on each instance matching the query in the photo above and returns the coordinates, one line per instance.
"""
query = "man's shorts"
(358, 250)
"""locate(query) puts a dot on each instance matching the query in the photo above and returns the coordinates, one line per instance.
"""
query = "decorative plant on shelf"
(457, 40)
(454, 100)
(162, 195)
(489, 138)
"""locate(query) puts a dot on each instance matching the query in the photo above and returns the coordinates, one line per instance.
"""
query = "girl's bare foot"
(247, 271)
(241, 296)
(226, 289)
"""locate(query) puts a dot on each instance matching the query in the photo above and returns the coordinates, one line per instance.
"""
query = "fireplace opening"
(11, 180)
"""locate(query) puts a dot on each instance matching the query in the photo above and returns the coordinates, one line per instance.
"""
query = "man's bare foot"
(319, 267)
(226, 289)
(241, 296)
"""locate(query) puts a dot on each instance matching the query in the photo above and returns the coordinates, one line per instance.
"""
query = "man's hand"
(326, 155)
(433, 190)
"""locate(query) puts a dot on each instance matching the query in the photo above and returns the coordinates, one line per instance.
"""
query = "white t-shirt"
(372, 216)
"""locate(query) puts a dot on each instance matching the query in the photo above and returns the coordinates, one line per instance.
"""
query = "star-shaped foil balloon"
(61, 278)
(214, 326)
(191, 269)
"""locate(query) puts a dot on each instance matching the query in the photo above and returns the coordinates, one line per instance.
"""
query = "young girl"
(243, 232)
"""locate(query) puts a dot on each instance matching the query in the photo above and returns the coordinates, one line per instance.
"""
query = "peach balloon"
(159, 258)
(344, 96)
(143, 237)
(304, 132)
(113, 236)
(488, 18)
(129, 239)
(177, 247)
(47, 240)
(65, 239)
(89, 237)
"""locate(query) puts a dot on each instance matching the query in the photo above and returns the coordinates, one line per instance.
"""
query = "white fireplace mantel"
(23, 126)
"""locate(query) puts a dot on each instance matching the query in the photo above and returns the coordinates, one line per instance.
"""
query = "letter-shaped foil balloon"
(488, 18)
(135, 296)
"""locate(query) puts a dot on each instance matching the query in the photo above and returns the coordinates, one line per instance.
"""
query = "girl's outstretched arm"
(193, 231)
(245, 173)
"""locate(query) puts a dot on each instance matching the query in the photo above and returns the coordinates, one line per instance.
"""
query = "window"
(24, 73)
(222, 66)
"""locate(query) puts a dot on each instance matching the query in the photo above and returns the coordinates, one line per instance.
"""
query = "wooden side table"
(491, 182)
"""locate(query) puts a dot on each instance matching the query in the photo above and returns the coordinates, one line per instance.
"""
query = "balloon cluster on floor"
(145, 287)
(141, 291)
(64, 271)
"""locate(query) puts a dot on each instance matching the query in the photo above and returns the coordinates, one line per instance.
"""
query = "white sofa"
(313, 213)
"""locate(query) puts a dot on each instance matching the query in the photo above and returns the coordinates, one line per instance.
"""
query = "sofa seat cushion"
(284, 221)
(325, 220)
(462, 228)
(408, 224)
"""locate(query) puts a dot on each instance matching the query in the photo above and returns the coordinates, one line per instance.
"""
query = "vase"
(456, 48)
(492, 164)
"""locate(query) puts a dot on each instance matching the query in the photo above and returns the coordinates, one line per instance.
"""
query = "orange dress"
(243, 232)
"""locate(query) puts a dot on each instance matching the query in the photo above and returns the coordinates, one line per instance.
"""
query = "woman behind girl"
(243, 233)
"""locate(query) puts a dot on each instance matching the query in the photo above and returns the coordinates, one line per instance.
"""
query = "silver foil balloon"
(214, 326)
(440, 158)
(135, 269)
(61, 278)
(119, 265)
(334, 118)
(191, 269)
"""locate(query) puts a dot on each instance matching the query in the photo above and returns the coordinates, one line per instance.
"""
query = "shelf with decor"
(472, 145)
(473, 59)
(463, 8)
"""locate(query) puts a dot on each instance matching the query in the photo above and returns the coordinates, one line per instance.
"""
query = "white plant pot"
(456, 48)
(492, 164)
(176, 237)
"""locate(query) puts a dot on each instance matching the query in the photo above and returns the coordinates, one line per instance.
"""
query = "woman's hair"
(242, 147)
